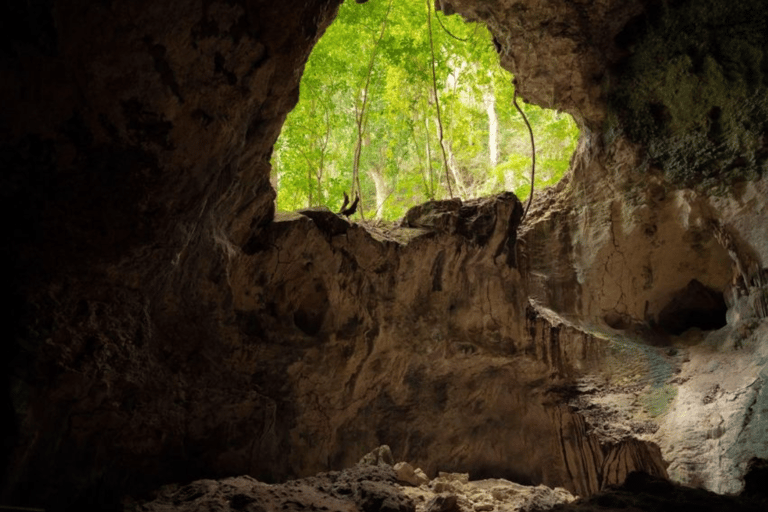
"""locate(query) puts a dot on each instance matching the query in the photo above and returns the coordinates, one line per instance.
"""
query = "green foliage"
(401, 161)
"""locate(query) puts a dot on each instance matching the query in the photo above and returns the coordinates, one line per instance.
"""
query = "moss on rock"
(694, 90)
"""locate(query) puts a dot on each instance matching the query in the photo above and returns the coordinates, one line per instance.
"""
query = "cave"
(695, 306)
(173, 336)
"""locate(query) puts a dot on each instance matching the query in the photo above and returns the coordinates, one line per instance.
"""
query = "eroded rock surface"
(456, 492)
(363, 488)
(360, 488)
(559, 52)
(133, 135)
(418, 325)
(170, 327)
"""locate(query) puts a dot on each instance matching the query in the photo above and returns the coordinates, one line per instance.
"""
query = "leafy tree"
(367, 116)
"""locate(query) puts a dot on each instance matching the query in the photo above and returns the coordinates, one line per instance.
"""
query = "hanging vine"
(437, 101)
(533, 149)
(449, 32)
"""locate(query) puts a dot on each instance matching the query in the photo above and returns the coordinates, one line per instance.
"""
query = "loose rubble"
(372, 485)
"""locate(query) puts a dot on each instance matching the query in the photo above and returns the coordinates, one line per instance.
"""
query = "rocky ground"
(376, 485)
(373, 485)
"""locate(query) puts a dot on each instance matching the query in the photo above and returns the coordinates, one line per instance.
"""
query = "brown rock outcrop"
(559, 52)
(415, 331)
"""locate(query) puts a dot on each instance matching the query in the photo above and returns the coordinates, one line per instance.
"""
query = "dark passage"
(695, 305)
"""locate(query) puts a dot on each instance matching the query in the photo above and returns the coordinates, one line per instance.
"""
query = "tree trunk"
(430, 174)
(381, 190)
(461, 189)
(309, 185)
(360, 112)
(493, 128)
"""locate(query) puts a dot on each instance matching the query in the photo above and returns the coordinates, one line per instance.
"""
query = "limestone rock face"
(169, 326)
(559, 52)
(420, 338)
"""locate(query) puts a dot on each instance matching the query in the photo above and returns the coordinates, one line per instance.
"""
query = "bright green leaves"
(400, 159)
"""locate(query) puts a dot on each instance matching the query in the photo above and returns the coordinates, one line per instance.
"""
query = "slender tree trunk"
(381, 190)
(422, 166)
(323, 150)
(513, 180)
(493, 128)
(431, 175)
(310, 185)
(461, 189)
(437, 101)
(360, 115)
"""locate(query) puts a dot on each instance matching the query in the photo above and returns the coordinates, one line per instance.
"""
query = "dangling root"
(533, 151)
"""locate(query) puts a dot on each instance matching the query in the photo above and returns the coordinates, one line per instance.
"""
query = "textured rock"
(443, 503)
(136, 134)
(381, 456)
(455, 492)
(559, 52)
(419, 323)
(170, 327)
(362, 488)
(406, 474)
(691, 91)
(718, 412)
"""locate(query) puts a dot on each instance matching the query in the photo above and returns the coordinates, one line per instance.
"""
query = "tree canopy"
(367, 106)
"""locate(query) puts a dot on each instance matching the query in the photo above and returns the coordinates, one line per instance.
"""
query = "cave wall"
(422, 337)
(135, 135)
(169, 327)
(667, 193)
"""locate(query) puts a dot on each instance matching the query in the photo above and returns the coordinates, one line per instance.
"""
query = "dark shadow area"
(696, 305)
(642, 492)
(756, 480)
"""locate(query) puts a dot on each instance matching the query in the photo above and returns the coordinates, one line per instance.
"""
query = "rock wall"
(170, 327)
(421, 338)
(559, 52)
(136, 134)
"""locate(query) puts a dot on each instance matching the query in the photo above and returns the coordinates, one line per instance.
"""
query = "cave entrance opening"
(695, 306)
(378, 60)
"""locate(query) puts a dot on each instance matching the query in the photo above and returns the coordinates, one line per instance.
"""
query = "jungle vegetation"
(368, 122)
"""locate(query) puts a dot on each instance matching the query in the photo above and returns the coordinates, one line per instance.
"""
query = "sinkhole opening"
(380, 87)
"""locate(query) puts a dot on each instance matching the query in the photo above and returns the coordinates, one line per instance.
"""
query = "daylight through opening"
(367, 121)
